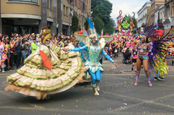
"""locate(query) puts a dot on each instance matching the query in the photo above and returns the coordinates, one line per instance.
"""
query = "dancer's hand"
(116, 65)
(65, 49)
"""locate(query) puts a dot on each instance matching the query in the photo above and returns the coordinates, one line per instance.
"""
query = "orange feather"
(46, 61)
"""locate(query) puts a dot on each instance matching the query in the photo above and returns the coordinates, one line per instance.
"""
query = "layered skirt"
(33, 79)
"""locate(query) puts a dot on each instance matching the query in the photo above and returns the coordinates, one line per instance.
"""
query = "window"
(64, 10)
(67, 12)
(76, 3)
(48, 4)
(79, 4)
(51, 4)
(33, 1)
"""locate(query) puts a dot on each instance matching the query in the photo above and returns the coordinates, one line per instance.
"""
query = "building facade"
(160, 16)
(155, 5)
(26, 16)
(169, 14)
(29, 16)
(143, 15)
(82, 8)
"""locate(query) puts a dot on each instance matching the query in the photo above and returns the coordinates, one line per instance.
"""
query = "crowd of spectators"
(18, 47)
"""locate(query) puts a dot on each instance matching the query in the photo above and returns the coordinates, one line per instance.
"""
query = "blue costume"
(92, 64)
(93, 53)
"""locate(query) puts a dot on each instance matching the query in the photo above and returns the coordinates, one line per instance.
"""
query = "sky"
(127, 7)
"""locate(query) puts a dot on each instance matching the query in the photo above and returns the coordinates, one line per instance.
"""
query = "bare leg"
(146, 69)
(138, 69)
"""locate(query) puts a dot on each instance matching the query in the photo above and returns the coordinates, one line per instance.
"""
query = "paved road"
(118, 96)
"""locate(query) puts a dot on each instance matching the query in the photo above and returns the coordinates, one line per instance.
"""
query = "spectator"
(12, 50)
(18, 52)
(34, 46)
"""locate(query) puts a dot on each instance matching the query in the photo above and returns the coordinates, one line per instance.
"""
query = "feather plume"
(46, 61)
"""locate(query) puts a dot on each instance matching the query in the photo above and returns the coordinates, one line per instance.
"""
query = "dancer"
(3, 55)
(44, 73)
(142, 59)
(95, 49)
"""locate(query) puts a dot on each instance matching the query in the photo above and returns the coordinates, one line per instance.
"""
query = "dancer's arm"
(109, 58)
(84, 48)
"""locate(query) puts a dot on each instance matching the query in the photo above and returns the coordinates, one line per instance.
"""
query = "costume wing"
(84, 54)
(107, 38)
(157, 54)
(82, 36)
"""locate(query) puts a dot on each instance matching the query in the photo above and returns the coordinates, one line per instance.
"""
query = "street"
(118, 96)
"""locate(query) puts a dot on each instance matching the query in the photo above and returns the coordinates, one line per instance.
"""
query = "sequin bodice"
(94, 54)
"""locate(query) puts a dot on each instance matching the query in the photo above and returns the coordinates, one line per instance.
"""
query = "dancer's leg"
(98, 76)
(146, 69)
(93, 77)
(138, 69)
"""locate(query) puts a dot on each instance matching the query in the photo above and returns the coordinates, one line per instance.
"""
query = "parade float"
(125, 25)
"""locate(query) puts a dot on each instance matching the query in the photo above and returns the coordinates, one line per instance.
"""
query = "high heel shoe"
(136, 84)
(150, 84)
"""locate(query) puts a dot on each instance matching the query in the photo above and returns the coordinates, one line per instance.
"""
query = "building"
(160, 16)
(70, 7)
(169, 14)
(155, 5)
(143, 15)
(26, 16)
(29, 16)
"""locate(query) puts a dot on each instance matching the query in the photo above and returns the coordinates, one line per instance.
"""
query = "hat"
(46, 34)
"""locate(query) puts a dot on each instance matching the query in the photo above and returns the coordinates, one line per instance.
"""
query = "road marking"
(153, 101)
(55, 109)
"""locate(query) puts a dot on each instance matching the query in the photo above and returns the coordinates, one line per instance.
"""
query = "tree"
(109, 27)
(101, 9)
(98, 23)
(75, 23)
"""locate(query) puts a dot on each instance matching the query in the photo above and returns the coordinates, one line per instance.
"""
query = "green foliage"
(135, 22)
(109, 27)
(101, 9)
(99, 25)
(75, 23)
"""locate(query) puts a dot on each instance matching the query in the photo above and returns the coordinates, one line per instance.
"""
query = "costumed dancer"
(154, 59)
(3, 55)
(95, 50)
(142, 58)
(44, 73)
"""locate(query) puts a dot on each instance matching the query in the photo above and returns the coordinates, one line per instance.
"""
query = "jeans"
(18, 60)
(24, 55)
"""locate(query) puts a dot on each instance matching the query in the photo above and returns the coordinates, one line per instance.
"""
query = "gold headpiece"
(46, 34)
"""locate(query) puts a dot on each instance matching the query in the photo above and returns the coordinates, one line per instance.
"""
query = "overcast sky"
(127, 6)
